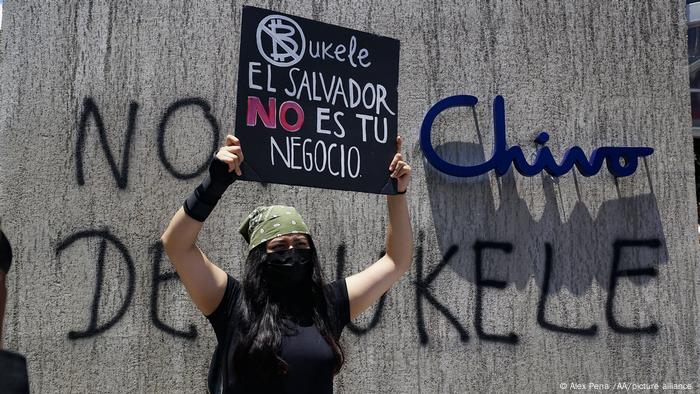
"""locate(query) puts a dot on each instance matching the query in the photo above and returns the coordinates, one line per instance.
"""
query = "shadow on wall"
(511, 245)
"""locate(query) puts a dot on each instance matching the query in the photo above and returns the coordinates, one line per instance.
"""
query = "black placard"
(317, 103)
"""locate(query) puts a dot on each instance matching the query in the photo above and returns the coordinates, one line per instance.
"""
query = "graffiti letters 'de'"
(621, 161)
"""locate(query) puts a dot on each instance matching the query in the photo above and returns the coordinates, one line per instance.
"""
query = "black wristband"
(204, 198)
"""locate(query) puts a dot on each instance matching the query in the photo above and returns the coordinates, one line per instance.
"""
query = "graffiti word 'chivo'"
(621, 161)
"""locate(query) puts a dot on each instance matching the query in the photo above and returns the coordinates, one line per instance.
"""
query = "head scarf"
(267, 222)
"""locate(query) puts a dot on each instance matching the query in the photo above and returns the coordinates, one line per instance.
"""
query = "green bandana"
(267, 222)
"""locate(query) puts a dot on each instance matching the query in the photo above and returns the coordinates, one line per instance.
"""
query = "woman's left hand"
(399, 168)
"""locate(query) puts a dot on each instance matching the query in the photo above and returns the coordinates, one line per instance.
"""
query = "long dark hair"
(258, 336)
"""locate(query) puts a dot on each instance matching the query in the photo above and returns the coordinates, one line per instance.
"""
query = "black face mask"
(288, 269)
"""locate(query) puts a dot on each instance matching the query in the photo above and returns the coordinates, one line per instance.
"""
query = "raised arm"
(204, 281)
(368, 285)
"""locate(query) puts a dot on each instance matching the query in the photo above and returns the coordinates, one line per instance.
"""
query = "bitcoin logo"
(280, 40)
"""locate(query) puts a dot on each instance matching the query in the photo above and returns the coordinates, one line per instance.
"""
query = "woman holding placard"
(278, 328)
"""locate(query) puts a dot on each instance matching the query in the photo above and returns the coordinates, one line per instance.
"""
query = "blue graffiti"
(621, 161)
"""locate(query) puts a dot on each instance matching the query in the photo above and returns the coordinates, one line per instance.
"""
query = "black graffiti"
(423, 291)
(590, 331)
(376, 317)
(121, 173)
(156, 250)
(618, 273)
(479, 247)
(90, 110)
(423, 288)
(157, 278)
(104, 235)
(206, 109)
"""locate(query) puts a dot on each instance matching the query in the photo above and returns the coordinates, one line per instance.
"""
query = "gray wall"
(591, 73)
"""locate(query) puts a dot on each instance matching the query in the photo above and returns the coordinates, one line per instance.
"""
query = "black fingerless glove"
(203, 199)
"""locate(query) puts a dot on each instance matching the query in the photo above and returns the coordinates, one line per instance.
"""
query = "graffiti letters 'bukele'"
(423, 290)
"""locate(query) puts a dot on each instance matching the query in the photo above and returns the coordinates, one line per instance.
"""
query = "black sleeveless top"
(308, 355)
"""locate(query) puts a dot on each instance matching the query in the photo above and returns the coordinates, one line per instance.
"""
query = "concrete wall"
(592, 73)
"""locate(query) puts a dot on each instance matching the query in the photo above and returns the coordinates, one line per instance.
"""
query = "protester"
(13, 366)
(278, 327)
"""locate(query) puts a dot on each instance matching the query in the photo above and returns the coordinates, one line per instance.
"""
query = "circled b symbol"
(280, 40)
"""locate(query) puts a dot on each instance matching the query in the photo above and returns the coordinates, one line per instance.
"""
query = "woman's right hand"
(231, 154)
(204, 281)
